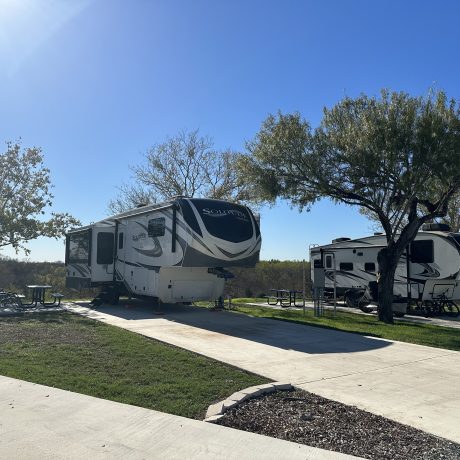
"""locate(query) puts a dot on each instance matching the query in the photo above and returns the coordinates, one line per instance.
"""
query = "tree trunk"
(388, 261)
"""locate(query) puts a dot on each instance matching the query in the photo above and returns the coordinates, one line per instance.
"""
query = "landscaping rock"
(229, 404)
(282, 386)
(213, 418)
(252, 392)
(239, 396)
(215, 409)
(267, 388)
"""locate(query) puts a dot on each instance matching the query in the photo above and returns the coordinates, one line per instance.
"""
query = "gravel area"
(305, 418)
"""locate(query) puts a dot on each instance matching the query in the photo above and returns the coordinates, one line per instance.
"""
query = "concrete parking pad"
(412, 384)
(40, 422)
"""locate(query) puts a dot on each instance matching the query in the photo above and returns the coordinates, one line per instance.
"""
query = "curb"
(216, 411)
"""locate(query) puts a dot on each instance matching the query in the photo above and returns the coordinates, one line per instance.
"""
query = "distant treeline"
(15, 275)
(271, 274)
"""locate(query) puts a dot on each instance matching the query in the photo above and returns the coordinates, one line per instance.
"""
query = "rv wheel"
(357, 299)
(350, 300)
(114, 299)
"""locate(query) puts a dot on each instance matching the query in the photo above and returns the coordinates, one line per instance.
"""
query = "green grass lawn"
(422, 334)
(82, 355)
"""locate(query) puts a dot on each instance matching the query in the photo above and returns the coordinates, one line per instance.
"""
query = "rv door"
(120, 251)
(102, 254)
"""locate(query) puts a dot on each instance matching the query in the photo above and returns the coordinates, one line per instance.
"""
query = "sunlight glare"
(27, 25)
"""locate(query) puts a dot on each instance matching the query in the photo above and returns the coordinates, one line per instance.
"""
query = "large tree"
(25, 194)
(452, 217)
(188, 165)
(395, 155)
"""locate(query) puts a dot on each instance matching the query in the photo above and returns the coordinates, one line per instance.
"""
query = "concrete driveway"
(411, 384)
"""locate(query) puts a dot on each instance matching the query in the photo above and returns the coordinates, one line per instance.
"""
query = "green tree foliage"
(188, 165)
(15, 275)
(25, 194)
(452, 218)
(395, 155)
(272, 274)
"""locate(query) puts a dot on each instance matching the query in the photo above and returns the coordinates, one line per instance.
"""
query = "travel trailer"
(176, 251)
(428, 269)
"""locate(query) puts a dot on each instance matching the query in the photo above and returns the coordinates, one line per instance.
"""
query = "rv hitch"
(221, 273)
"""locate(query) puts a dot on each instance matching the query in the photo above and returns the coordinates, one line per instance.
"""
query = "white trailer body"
(176, 251)
(430, 267)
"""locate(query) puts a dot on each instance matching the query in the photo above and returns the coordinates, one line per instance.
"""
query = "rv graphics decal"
(429, 271)
(81, 269)
(226, 212)
(141, 236)
(156, 251)
(346, 274)
(230, 255)
(186, 229)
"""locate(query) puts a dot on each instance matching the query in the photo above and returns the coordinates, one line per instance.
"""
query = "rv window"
(317, 263)
(105, 248)
(78, 245)
(156, 227)
(422, 252)
(120, 241)
(369, 266)
(347, 266)
(328, 261)
(227, 221)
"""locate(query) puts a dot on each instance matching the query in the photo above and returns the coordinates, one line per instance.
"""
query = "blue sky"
(96, 82)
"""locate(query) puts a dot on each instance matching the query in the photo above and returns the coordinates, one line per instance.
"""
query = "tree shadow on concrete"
(279, 334)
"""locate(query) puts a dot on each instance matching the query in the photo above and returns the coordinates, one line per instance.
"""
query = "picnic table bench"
(283, 297)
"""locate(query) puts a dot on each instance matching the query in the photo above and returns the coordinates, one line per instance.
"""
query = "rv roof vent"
(339, 240)
(141, 205)
(378, 233)
(435, 227)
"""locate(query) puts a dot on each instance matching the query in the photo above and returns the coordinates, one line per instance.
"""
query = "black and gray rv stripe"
(84, 271)
(198, 239)
(330, 275)
(230, 255)
(188, 230)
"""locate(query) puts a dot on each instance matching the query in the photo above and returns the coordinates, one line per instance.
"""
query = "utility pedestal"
(318, 290)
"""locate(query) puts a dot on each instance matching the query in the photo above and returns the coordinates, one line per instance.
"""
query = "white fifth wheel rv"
(176, 251)
(429, 268)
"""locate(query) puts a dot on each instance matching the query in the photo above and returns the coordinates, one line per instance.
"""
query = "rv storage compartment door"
(102, 254)
(188, 291)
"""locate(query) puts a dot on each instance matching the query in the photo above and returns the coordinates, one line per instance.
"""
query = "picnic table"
(283, 297)
(38, 292)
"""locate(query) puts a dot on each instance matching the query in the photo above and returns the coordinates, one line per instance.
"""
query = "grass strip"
(421, 334)
(73, 353)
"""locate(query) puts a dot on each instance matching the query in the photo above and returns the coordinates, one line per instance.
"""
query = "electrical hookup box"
(319, 278)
